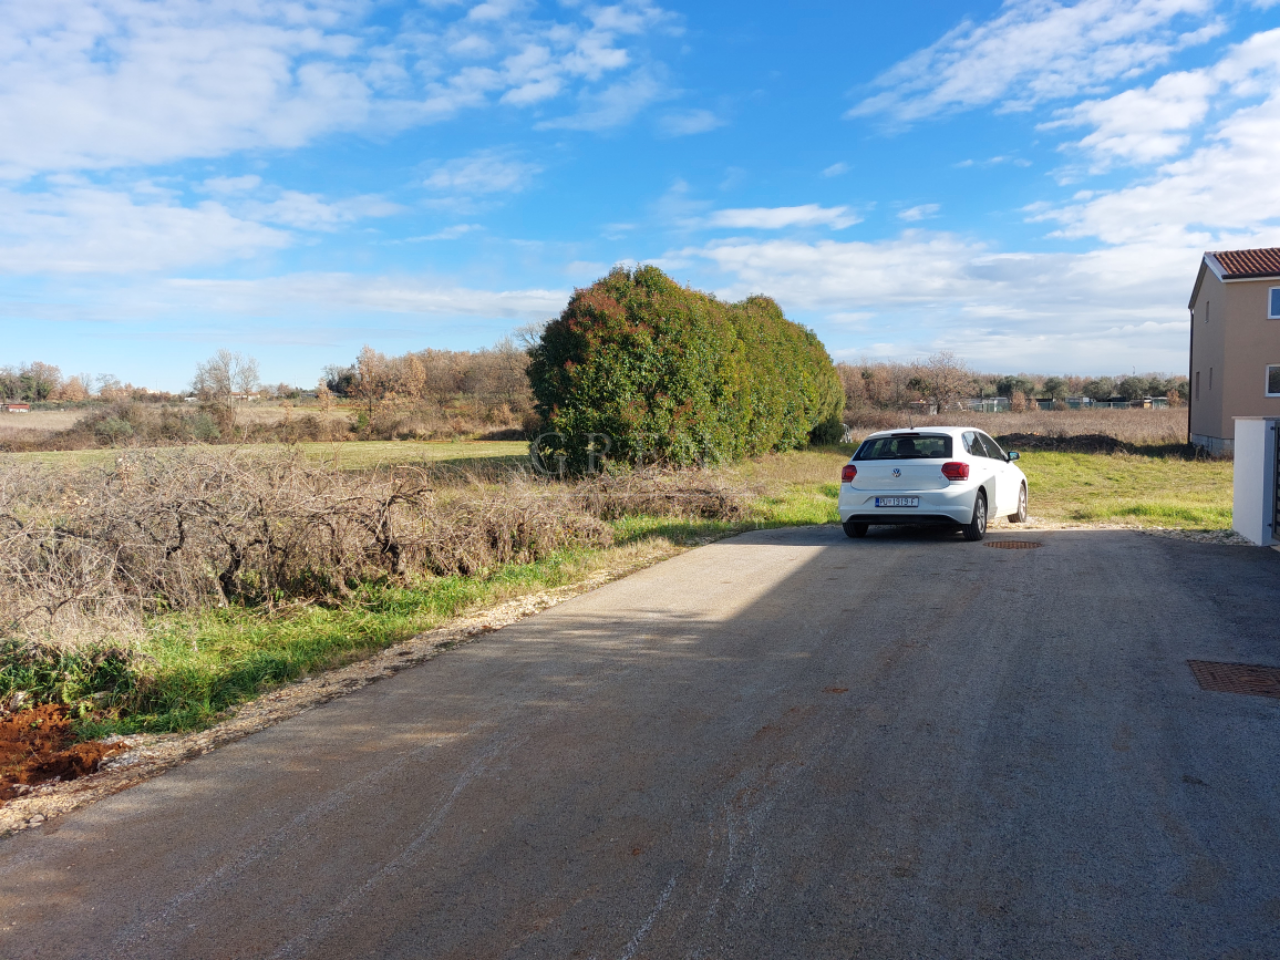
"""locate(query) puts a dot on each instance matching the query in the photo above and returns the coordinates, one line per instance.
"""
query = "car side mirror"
(1013, 455)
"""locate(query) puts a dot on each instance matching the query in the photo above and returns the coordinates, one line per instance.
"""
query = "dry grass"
(353, 455)
(1158, 427)
(274, 411)
(96, 550)
(686, 494)
(27, 425)
(91, 552)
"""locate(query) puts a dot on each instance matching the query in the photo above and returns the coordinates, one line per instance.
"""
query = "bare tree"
(225, 375)
(529, 335)
(222, 378)
(943, 379)
(10, 383)
(110, 388)
(372, 376)
(74, 390)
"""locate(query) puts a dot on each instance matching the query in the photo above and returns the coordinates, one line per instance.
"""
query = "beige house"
(1235, 344)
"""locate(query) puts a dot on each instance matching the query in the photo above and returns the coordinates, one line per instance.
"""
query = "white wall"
(1254, 478)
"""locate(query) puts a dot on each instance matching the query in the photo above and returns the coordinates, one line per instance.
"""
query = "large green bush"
(640, 369)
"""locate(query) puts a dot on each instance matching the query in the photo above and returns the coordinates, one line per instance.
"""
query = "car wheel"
(976, 528)
(855, 530)
(1021, 515)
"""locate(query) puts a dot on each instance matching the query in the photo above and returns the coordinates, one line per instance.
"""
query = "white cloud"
(231, 185)
(631, 17)
(308, 211)
(1141, 126)
(613, 106)
(678, 206)
(92, 84)
(535, 91)
(836, 169)
(494, 10)
(81, 228)
(1207, 135)
(341, 294)
(928, 291)
(448, 233)
(595, 55)
(922, 212)
(1224, 193)
(96, 83)
(850, 318)
(994, 162)
(1145, 125)
(829, 274)
(688, 123)
(470, 46)
(482, 173)
(777, 218)
(1038, 50)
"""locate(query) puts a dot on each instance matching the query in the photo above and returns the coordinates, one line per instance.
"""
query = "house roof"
(1246, 264)
(1237, 265)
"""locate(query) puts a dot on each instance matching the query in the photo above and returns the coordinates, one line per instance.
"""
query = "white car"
(934, 475)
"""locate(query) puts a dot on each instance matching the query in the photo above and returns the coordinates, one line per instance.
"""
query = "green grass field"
(1129, 489)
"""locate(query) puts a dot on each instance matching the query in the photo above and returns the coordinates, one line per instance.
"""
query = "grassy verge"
(190, 668)
(196, 666)
(1137, 489)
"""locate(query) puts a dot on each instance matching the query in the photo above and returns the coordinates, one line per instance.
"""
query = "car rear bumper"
(903, 519)
(952, 504)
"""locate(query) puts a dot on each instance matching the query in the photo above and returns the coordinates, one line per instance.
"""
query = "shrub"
(640, 369)
(112, 430)
(90, 555)
(696, 494)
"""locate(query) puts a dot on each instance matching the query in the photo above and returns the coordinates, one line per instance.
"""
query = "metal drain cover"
(1237, 678)
(1014, 544)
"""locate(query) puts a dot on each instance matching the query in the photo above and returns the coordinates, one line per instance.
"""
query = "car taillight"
(848, 473)
(955, 470)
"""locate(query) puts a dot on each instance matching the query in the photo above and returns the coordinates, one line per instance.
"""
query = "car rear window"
(916, 446)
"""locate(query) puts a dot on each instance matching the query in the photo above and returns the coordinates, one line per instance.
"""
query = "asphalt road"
(788, 744)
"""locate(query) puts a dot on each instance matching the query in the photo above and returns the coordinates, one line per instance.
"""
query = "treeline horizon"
(448, 394)
(498, 373)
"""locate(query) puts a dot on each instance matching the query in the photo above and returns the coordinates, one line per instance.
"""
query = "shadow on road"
(786, 744)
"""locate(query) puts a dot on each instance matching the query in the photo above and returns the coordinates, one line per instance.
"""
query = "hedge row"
(640, 369)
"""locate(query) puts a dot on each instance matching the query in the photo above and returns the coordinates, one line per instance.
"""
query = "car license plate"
(897, 501)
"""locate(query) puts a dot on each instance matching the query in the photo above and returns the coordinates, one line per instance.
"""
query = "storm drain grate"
(1237, 678)
(1014, 544)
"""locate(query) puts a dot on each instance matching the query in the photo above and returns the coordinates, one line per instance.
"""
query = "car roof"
(923, 431)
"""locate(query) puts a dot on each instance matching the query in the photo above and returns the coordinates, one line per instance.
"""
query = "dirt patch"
(1081, 443)
(36, 746)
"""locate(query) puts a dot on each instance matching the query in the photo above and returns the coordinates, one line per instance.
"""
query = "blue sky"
(1028, 184)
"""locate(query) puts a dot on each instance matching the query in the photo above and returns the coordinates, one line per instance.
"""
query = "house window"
(1273, 380)
(1197, 384)
(1273, 311)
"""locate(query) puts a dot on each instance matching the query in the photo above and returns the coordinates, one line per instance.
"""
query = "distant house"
(1235, 344)
(17, 408)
